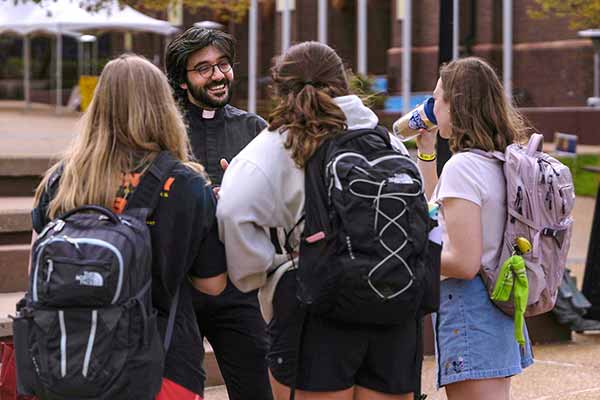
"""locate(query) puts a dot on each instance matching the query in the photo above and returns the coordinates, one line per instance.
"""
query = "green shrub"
(362, 86)
(586, 182)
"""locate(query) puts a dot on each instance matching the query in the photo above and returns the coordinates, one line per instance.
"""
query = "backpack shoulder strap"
(171, 320)
(144, 200)
(145, 197)
(315, 204)
(55, 178)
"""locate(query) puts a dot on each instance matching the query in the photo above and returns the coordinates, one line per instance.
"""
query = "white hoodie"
(261, 189)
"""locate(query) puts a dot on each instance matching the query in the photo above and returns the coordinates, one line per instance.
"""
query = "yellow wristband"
(426, 156)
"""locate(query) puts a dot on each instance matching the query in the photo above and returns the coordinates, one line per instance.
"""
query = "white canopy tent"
(60, 17)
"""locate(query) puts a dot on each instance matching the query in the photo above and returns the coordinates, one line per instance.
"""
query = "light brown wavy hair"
(480, 115)
(131, 118)
(306, 79)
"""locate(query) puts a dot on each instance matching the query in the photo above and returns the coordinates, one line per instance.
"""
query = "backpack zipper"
(63, 343)
(90, 344)
(550, 194)
(542, 171)
(541, 160)
(50, 269)
(517, 203)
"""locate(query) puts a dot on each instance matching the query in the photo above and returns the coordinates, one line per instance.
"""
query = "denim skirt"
(473, 338)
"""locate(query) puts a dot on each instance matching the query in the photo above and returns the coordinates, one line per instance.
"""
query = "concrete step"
(25, 165)
(19, 185)
(20, 176)
(216, 393)
(14, 260)
(15, 220)
(7, 307)
(211, 367)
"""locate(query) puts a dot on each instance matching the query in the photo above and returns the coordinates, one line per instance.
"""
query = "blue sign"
(395, 103)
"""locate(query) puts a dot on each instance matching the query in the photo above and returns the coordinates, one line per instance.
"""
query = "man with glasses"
(199, 65)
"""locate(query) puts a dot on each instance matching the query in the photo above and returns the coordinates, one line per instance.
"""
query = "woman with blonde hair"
(476, 349)
(131, 120)
(264, 190)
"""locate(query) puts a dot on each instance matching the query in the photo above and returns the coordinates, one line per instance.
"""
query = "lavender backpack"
(540, 196)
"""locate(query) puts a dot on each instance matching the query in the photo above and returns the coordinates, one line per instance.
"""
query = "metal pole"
(286, 28)
(80, 58)
(406, 56)
(508, 56)
(444, 56)
(252, 59)
(95, 58)
(59, 46)
(362, 37)
(323, 21)
(596, 78)
(455, 29)
(27, 71)
(127, 42)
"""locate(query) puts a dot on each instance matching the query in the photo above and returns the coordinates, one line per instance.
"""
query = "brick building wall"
(424, 52)
(552, 66)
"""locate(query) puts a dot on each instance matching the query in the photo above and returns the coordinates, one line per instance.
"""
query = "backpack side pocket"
(27, 375)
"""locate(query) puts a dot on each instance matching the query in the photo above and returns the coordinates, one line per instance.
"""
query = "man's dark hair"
(188, 42)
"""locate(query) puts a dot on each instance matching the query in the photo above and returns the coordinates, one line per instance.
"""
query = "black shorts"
(336, 356)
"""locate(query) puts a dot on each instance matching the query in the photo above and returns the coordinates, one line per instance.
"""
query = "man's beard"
(205, 98)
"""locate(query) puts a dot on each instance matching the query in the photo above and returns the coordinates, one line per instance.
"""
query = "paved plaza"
(561, 372)
(567, 371)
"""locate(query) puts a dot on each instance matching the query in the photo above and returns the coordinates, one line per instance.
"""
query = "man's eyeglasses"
(206, 71)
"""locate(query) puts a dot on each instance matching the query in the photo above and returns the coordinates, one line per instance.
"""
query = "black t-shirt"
(185, 241)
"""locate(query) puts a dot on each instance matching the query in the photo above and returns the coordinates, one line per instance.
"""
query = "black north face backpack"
(86, 328)
(364, 254)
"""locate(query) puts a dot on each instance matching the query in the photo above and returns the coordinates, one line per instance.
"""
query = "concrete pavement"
(560, 372)
(39, 132)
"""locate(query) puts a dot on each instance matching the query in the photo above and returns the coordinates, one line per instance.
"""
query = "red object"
(8, 375)
(172, 391)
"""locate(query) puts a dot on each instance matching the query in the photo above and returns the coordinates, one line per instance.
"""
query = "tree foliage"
(223, 10)
(582, 14)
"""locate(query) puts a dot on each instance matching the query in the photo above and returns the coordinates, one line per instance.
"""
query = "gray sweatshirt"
(263, 188)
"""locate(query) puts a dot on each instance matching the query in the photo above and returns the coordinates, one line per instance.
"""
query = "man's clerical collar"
(208, 114)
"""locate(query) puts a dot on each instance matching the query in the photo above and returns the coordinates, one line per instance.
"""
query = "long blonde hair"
(131, 118)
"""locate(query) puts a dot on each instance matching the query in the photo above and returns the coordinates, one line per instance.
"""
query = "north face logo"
(401, 179)
(90, 279)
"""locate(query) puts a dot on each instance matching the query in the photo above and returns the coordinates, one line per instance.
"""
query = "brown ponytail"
(306, 79)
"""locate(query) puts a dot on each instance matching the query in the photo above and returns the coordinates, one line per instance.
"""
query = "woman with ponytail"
(262, 200)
